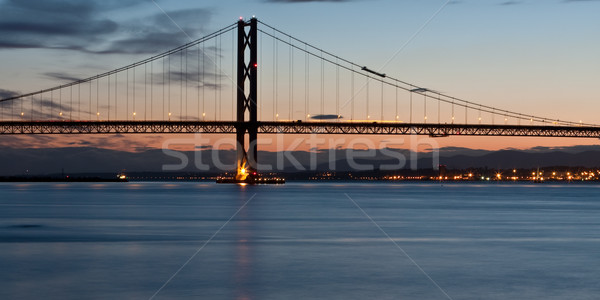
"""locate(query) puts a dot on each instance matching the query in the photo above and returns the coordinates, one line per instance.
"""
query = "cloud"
(63, 24)
(7, 94)
(158, 33)
(130, 143)
(61, 76)
(44, 109)
(80, 143)
(510, 2)
(326, 117)
(197, 75)
(87, 26)
(26, 141)
(304, 1)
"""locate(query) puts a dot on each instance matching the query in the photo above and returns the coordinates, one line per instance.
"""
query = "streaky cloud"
(87, 26)
(61, 76)
(305, 1)
(326, 117)
(7, 94)
(510, 2)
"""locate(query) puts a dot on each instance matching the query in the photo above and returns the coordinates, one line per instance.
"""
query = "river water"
(344, 240)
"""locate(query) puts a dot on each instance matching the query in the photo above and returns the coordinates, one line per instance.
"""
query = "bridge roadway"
(295, 127)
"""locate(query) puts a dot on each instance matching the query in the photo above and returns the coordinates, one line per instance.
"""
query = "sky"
(535, 57)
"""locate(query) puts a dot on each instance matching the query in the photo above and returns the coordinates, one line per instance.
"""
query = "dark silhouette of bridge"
(309, 91)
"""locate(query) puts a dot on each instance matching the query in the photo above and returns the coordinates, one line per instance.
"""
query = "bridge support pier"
(247, 99)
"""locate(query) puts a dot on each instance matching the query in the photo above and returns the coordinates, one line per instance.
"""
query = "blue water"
(299, 241)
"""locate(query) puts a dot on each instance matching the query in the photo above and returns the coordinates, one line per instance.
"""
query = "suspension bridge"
(247, 79)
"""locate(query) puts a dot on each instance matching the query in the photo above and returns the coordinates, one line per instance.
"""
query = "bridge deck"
(294, 127)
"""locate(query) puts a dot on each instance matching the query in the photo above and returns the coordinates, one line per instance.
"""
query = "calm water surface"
(299, 241)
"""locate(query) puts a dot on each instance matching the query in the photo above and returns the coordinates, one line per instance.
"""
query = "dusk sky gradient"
(535, 57)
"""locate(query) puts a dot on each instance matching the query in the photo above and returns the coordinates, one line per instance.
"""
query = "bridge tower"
(247, 83)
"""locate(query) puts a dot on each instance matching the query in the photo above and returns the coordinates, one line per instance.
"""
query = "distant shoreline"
(55, 179)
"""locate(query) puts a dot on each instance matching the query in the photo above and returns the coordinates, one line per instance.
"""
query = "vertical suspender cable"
(169, 87)
(306, 82)
(425, 107)
(163, 89)
(89, 99)
(78, 101)
(203, 81)
(337, 89)
(290, 87)
(274, 76)
(60, 103)
(382, 100)
(367, 86)
(220, 77)
(186, 83)
(98, 98)
(233, 85)
(108, 99)
(151, 90)
(276, 79)
(133, 94)
(396, 107)
(116, 97)
(181, 79)
(352, 95)
(145, 91)
(439, 111)
(322, 84)
(198, 84)
(127, 95)
(215, 75)
(411, 107)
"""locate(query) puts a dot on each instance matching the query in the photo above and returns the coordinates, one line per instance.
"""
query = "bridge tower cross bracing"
(247, 98)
